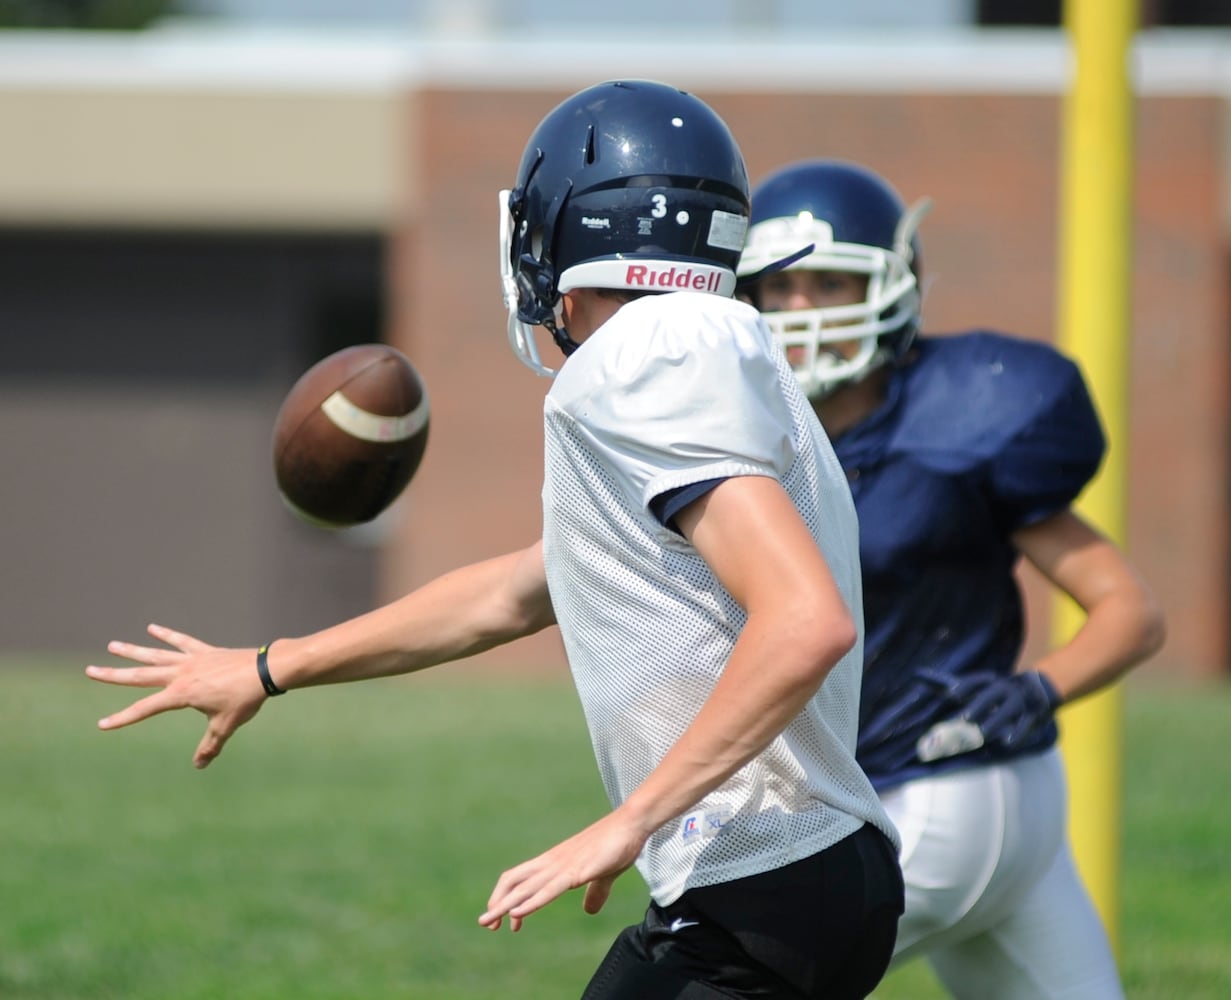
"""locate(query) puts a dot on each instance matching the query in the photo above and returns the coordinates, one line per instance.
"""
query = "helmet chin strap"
(559, 334)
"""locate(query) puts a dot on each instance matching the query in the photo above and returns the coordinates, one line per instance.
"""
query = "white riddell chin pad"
(645, 274)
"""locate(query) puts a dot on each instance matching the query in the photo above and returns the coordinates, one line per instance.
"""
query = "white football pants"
(992, 896)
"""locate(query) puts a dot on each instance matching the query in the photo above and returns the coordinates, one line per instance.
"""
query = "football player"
(700, 557)
(964, 454)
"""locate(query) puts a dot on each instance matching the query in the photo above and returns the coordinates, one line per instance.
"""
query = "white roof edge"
(959, 60)
(205, 58)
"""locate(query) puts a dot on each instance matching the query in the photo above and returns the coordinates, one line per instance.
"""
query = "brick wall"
(991, 165)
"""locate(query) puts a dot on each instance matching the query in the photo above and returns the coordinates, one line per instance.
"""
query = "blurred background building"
(205, 198)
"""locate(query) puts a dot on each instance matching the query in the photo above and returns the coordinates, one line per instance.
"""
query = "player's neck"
(585, 310)
(852, 404)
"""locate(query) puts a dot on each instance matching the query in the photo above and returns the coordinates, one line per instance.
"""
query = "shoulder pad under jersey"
(1015, 411)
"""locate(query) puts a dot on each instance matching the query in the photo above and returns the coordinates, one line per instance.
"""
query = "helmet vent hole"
(590, 157)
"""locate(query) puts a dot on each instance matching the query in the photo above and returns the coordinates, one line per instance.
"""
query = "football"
(350, 434)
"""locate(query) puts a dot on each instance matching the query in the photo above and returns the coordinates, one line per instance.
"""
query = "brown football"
(350, 435)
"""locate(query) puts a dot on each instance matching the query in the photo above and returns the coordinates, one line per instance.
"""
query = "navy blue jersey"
(980, 435)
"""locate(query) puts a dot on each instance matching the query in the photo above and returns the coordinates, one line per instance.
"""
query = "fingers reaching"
(594, 858)
(132, 676)
(154, 704)
(597, 894)
(220, 683)
(180, 640)
(181, 645)
(216, 735)
(521, 891)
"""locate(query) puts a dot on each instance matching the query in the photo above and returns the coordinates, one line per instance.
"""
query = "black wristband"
(262, 670)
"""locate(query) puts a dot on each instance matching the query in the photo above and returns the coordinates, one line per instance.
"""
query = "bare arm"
(456, 615)
(1124, 624)
(461, 613)
(798, 627)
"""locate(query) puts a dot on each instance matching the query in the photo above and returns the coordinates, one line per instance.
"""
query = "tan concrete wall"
(223, 158)
(990, 255)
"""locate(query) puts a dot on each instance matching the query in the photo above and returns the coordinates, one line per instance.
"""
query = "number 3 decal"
(659, 201)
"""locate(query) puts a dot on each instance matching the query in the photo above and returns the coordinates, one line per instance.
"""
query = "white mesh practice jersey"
(673, 390)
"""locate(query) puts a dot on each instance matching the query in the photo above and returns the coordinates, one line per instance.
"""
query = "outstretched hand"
(220, 683)
(595, 858)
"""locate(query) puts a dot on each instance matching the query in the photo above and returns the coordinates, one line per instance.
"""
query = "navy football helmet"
(627, 185)
(856, 223)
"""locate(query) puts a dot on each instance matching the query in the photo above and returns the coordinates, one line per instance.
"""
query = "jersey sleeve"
(1055, 449)
(664, 506)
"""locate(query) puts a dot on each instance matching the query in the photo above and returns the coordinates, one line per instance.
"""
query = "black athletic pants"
(822, 927)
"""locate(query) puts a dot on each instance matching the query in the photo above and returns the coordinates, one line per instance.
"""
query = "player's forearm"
(1124, 624)
(1121, 630)
(454, 616)
(775, 668)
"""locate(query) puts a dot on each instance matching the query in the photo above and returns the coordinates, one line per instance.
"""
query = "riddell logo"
(644, 276)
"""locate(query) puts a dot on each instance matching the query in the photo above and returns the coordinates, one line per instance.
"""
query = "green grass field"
(346, 842)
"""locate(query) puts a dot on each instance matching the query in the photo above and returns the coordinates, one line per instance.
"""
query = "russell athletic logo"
(645, 276)
(704, 825)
